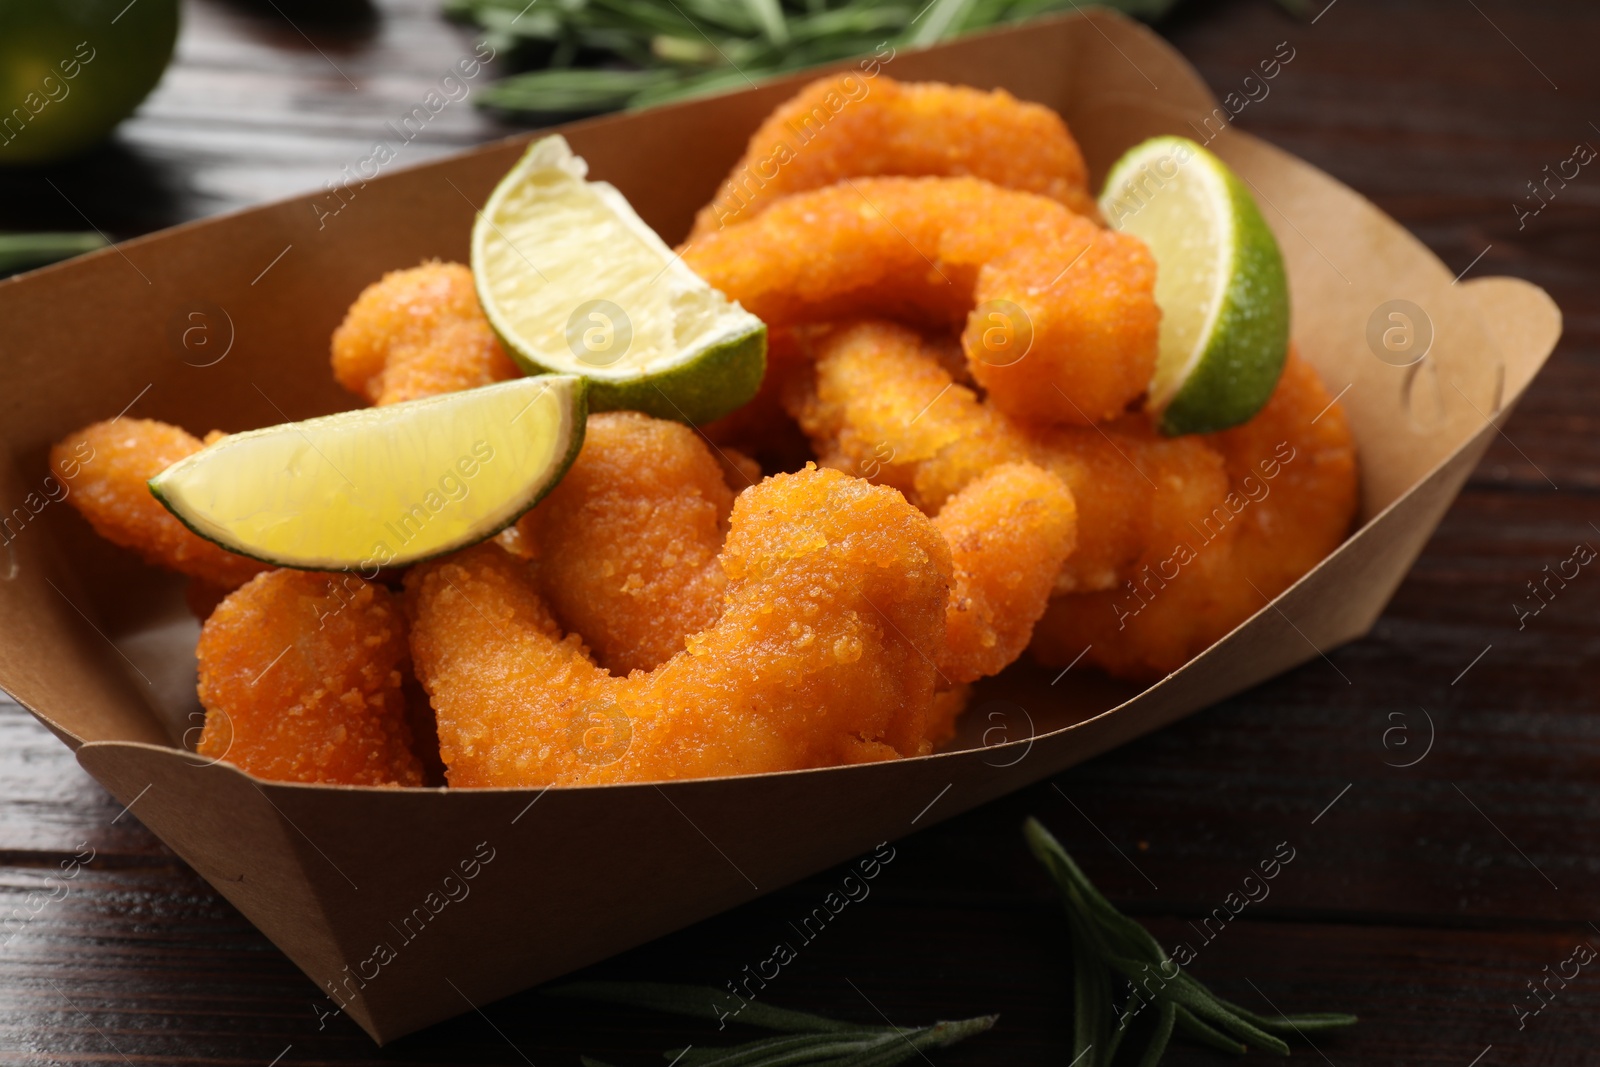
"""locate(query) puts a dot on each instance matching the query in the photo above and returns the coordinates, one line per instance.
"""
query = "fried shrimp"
(882, 407)
(879, 405)
(107, 467)
(848, 126)
(1291, 500)
(1060, 315)
(629, 539)
(629, 544)
(1009, 531)
(1148, 488)
(836, 595)
(1308, 505)
(417, 333)
(301, 675)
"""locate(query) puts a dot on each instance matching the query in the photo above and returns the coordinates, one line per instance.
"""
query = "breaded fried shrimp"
(1009, 531)
(1061, 319)
(107, 467)
(629, 545)
(849, 126)
(836, 596)
(880, 405)
(1304, 473)
(417, 333)
(883, 408)
(301, 675)
(1141, 489)
(1291, 500)
(630, 537)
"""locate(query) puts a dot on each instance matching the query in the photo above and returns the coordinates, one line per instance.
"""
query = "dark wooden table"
(1426, 898)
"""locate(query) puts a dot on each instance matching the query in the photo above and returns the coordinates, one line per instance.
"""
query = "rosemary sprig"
(24, 251)
(692, 47)
(1110, 952)
(804, 1038)
(1107, 946)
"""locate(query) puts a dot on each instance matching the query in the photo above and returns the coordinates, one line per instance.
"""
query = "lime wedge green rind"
(722, 379)
(549, 246)
(1239, 368)
(382, 487)
(1221, 283)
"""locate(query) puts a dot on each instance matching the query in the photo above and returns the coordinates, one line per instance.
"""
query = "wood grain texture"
(1423, 897)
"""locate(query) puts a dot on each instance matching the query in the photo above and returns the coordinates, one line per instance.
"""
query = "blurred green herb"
(1118, 970)
(25, 251)
(805, 1038)
(1108, 946)
(600, 55)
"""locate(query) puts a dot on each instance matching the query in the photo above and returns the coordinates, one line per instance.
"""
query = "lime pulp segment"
(574, 282)
(1220, 283)
(386, 486)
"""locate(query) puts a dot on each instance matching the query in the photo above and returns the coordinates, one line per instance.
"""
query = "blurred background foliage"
(590, 56)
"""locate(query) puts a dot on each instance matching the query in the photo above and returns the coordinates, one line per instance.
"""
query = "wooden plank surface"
(1423, 897)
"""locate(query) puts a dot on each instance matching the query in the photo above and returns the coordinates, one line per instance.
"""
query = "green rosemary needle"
(24, 251)
(1109, 949)
(804, 1038)
(599, 55)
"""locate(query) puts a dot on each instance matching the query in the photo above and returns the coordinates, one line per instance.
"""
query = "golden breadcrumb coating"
(629, 545)
(1313, 497)
(300, 676)
(417, 333)
(107, 468)
(883, 407)
(1009, 531)
(880, 405)
(851, 126)
(1141, 489)
(629, 540)
(823, 655)
(1291, 499)
(1061, 319)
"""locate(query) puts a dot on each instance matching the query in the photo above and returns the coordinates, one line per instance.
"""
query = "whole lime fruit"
(70, 70)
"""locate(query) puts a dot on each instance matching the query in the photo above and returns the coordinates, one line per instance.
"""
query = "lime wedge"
(574, 282)
(1220, 283)
(382, 487)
